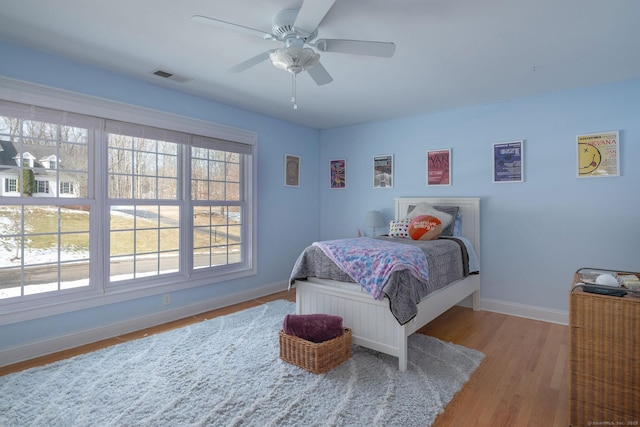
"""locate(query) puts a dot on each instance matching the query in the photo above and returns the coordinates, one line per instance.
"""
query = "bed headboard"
(469, 208)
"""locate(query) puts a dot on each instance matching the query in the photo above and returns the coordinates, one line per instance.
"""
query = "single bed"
(372, 322)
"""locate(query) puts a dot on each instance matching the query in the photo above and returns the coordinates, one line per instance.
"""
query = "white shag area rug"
(226, 372)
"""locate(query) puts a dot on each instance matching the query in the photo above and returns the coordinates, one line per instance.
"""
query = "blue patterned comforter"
(370, 262)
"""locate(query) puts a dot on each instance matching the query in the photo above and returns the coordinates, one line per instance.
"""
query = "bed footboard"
(372, 324)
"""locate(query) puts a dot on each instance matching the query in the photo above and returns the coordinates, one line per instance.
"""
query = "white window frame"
(11, 183)
(49, 304)
(42, 184)
(65, 187)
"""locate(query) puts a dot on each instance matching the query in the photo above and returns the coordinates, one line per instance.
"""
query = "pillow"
(399, 228)
(457, 225)
(447, 230)
(427, 209)
(425, 227)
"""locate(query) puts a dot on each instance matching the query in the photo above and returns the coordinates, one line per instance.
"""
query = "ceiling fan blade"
(245, 65)
(311, 14)
(231, 26)
(356, 47)
(319, 74)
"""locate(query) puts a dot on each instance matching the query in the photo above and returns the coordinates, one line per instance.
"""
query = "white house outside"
(42, 161)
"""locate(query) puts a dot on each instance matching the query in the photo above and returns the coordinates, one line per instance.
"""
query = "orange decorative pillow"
(425, 227)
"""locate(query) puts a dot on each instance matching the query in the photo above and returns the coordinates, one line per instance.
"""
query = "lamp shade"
(374, 219)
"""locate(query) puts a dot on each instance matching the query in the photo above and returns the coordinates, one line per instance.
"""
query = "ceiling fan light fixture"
(307, 58)
(294, 60)
(284, 59)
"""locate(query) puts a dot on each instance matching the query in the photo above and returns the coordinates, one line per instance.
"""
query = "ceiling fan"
(298, 28)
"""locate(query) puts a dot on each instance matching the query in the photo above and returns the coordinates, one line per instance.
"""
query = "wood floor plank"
(523, 380)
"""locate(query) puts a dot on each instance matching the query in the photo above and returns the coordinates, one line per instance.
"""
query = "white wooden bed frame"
(372, 323)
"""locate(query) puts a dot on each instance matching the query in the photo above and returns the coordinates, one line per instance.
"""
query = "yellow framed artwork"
(598, 154)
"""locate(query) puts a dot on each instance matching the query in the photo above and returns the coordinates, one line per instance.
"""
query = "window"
(42, 186)
(44, 243)
(145, 232)
(217, 214)
(179, 209)
(66, 187)
(27, 161)
(10, 185)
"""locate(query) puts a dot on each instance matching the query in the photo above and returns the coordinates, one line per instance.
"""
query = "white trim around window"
(59, 100)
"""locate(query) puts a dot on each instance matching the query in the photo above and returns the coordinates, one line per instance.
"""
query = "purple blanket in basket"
(313, 327)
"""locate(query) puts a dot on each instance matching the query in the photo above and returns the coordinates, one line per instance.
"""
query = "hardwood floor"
(523, 380)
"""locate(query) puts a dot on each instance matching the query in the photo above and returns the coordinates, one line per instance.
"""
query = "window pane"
(146, 265)
(216, 190)
(121, 268)
(74, 247)
(144, 240)
(39, 154)
(233, 191)
(121, 243)
(216, 230)
(120, 161)
(215, 176)
(142, 168)
(10, 279)
(73, 184)
(170, 262)
(74, 219)
(73, 275)
(120, 186)
(35, 243)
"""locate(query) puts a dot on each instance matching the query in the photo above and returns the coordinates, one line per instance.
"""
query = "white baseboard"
(76, 339)
(527, 311)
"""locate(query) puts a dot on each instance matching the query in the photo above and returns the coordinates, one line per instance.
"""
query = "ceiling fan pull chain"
(293, 91)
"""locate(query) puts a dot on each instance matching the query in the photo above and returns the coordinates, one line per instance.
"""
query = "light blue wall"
(288, 218)
(535, 234)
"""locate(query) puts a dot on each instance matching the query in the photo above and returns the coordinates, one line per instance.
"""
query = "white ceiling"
(449, 53)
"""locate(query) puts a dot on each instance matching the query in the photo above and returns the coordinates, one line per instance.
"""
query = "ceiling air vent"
(171, 76)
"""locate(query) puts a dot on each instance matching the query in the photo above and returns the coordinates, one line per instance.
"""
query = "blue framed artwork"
(508, 161)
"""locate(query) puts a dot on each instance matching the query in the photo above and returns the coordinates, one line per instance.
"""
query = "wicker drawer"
(604, 359)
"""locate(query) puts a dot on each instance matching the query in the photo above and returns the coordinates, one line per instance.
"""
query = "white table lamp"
(374, 220)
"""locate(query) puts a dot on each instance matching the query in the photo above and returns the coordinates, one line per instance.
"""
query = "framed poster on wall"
(291, 170)
(598, 154)
(383, 171)
(439, 167)
(508, 161)
(338, 173)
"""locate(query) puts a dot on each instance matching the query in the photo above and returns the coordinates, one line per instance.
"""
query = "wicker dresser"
(604, 359)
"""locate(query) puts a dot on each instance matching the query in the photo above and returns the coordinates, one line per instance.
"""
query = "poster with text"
(338, 173)
(383, 171)
(508, 162)
(598, 154)
(439, 167)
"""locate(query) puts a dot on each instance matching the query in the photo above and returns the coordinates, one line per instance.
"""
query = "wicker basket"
(604, 359)
(317, 358)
